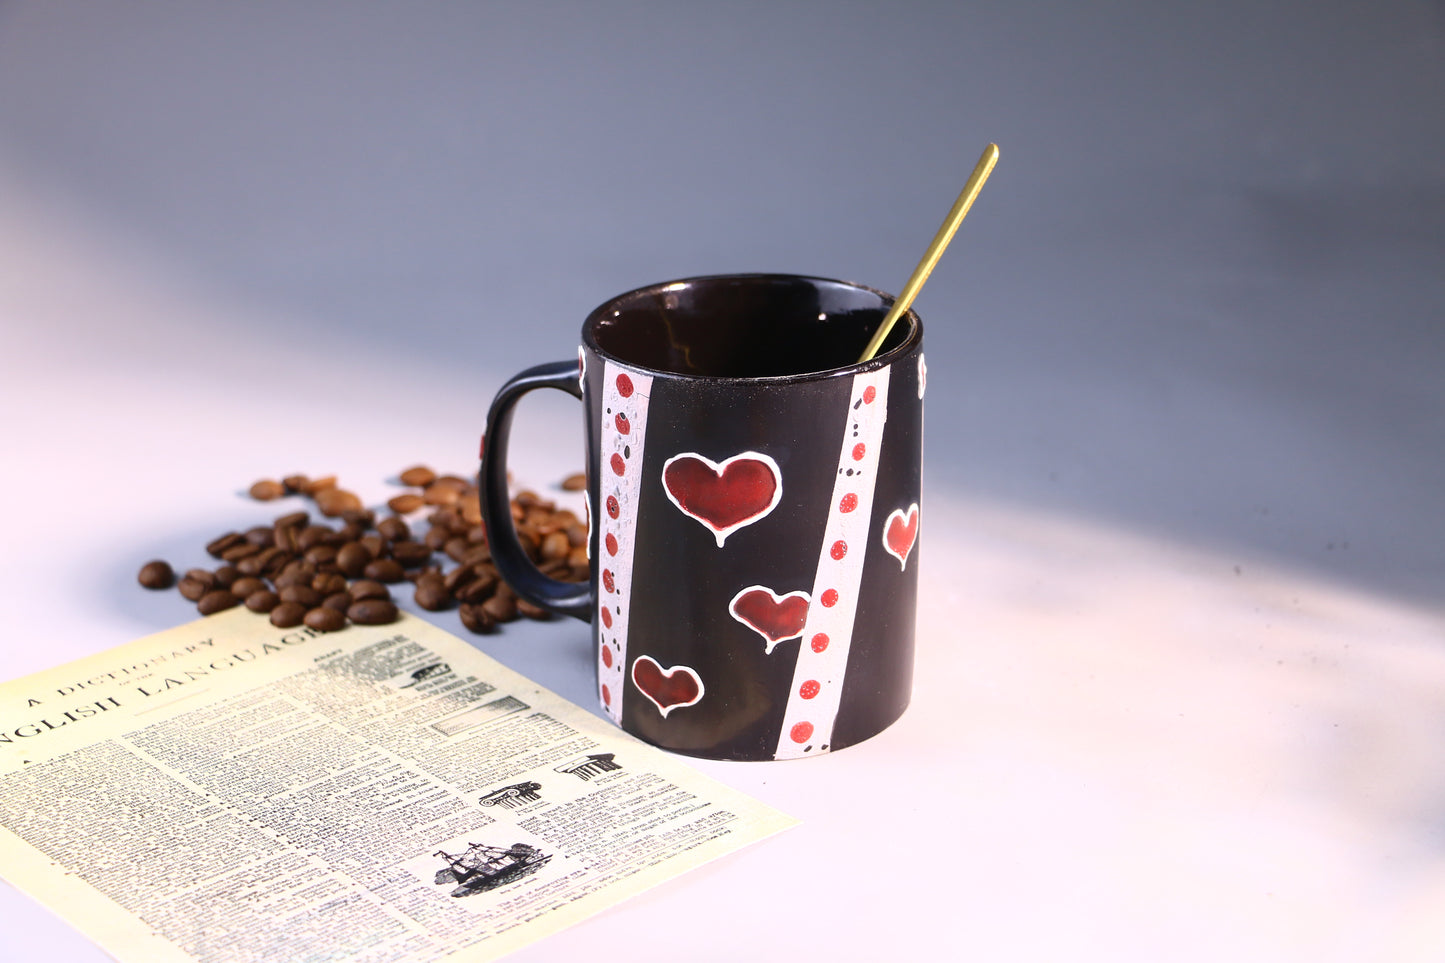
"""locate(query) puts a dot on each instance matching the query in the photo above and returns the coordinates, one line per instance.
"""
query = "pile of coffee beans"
(299, 570)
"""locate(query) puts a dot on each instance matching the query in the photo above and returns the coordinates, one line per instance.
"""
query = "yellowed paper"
(230, 791)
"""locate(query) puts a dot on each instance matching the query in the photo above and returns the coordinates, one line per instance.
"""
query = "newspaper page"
(230, 791)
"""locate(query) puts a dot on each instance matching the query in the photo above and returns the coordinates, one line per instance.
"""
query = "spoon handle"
(935, 248)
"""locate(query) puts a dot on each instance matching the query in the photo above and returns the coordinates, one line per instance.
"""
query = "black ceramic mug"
(752, 497)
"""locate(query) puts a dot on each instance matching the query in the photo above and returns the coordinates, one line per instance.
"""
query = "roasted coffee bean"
(304, 594)
(320, 554)
(418, 476)
(216, 600)
(526, 498)
(275, 563)
(405, 503)
(285, 536)
(532, 611)
(432, 596)
(333, 502)
(374, 544)
(216, 546)
(478, 590)
(457, 549)
(372, 612)
(313, 535)
(411, 554)
(288, 614)
(328, 582)
(324, 619)
(577, 558)
(477, 619)
(293, 520)
(458, 576)
(293, 577)
(240, 550)
(445, 518)
(352, 558)
(157, 575)
(470, 507)
(384, 570)
(555, 545)
(575, 482)
(263, 600)
(261, 536)
(267, 489)
(369, 589)
(394, 529)
(436, 537)
(192, 589)
(314, 486)
(501, 608)
(364, 517)
(340, 601)
(245, 585)
(439, 494)
(477, 534)
(296, 484)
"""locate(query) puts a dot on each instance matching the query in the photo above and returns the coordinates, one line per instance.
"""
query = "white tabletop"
(1181, 664)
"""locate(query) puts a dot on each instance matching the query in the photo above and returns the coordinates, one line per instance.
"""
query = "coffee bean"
(245, 585)
(575, 482)
(242, 549)
(369, 589)
(533, 611)
(287, 615)
(411, 554)
(328, 583)
(470, 507)
(217, 545)
(340, 601)
(264, 600)
(267, 489)
(432, 596)
(323, 619)
(364, 517)
(293, 520)
(320, 554)
(304, 594)
(478, 590)
(438, 494)
(352, 558)
(333, 502)
(394, 529)
(296, 484)
(384, 570)
(556, 545)
(477, 620)
(157, 575)
(261, 536)
(405, 503)
(372, 612)
(313, 535)
(500, 607)
(418, 476)
(314, 486)
(216, 600)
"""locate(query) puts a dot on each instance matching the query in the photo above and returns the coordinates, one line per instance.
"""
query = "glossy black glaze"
(739, 364)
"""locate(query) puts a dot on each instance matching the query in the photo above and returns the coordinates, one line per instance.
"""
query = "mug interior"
(745, 326)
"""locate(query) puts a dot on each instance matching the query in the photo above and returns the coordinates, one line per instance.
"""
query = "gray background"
(1201, 296)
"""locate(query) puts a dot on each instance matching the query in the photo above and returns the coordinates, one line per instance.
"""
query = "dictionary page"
(230, 791)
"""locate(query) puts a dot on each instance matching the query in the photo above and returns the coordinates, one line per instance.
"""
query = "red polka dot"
(607, 658)
(801, 732)
(618, 465)
(624, 386)
(611, 541)
(607, 617)
(607, 697)
(869, 393)
(607, 581)
(848, 502)
(859, 450)
(820, 642)
(839, 549)
(624, 427)
(613, 509)
(807, 690)
(829, 598)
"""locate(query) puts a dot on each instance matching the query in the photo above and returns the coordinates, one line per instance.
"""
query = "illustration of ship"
(482, 867)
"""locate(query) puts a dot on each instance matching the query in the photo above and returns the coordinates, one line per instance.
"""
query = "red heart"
(772, 616)
(900, 532)
(723, 496)
(668, 689)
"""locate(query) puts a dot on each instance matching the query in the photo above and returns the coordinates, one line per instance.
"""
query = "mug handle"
(564, 598)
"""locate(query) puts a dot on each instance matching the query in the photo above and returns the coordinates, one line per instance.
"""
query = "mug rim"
(913, 339)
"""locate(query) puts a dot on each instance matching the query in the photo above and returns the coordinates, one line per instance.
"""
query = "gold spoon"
(935, 249)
